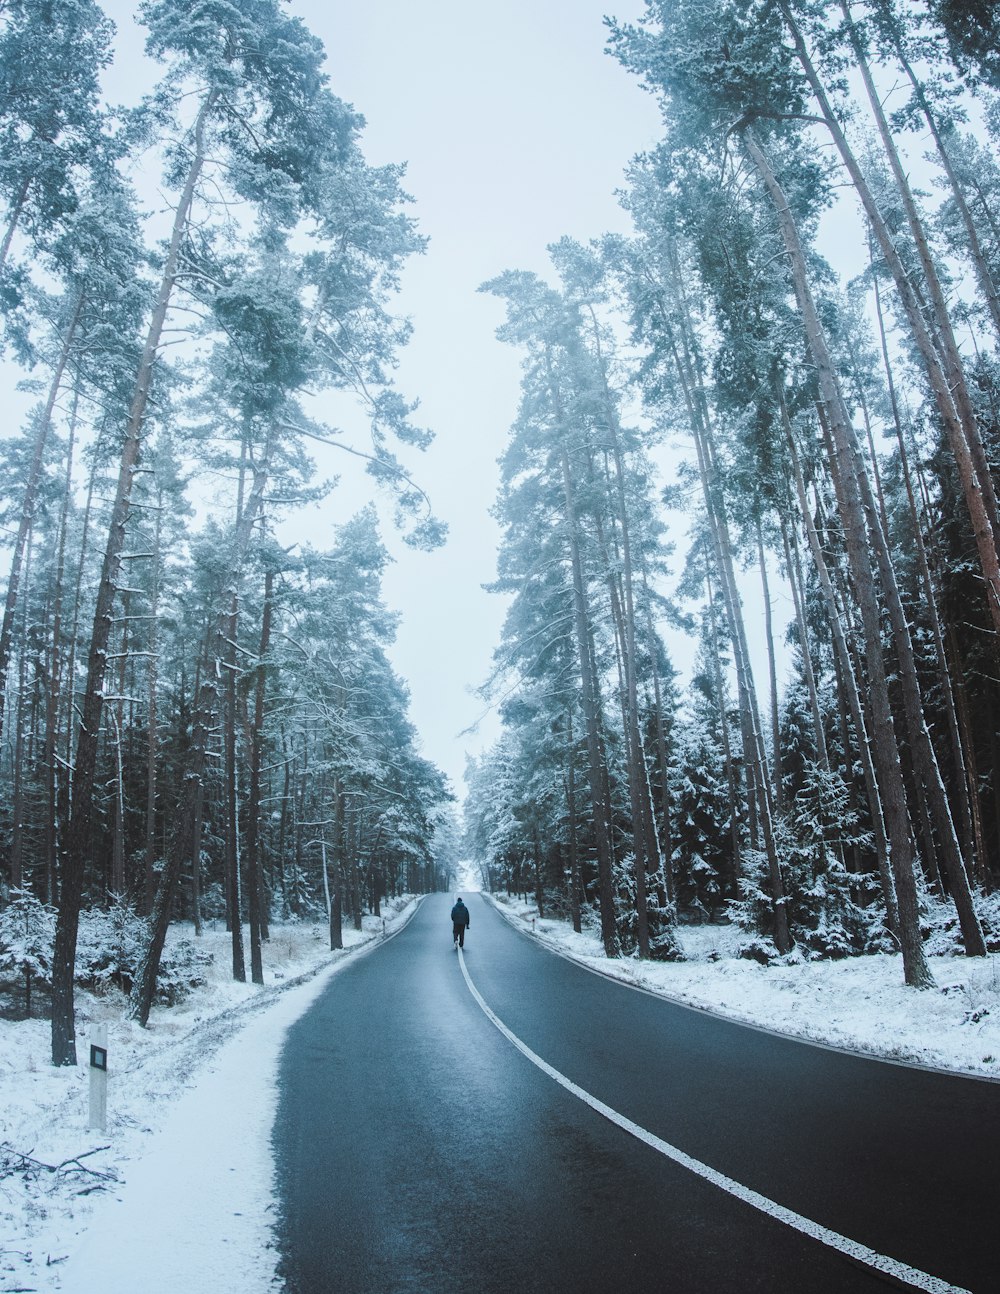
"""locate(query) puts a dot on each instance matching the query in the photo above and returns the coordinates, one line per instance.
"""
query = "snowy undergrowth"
(858, 1003)
(52, 1168)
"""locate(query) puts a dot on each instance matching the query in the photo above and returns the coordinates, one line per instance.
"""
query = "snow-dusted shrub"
(758, 950)
(109, 946)
(828, 922)
(939, 926)
(27, 931)
(832, 913)
(626, 924)
(590, 917)
(701, 822)
(939, 923)
(663, 942)
(555, 903)
(182, 969)
(213, 902)
(824, 919)
(874, 923)
(753, 910)
(300, 897)
(660, 923)
(988, 907)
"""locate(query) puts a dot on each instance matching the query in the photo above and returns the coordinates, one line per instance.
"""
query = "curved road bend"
(417, 1149)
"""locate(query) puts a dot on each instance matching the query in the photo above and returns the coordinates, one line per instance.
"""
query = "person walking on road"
(459, 923)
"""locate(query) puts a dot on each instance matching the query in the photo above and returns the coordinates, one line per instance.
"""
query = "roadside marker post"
(98, 1078)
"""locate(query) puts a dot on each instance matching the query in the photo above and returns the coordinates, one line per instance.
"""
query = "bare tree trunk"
(283, 823)
(667, 844)
(152, 718)
(923, 754)
(798, 603)
(574, 849)
(118, 723)
(638, 776)
(31, 498)
(196, 917)
(917, 972)
(17, 804)
(755, 758)
(632, 744)
(337, 904)
(760, 801)
(732, 782)
(78, 835)
(233, 878)
(353, 829)
(73, 637)
(189, 805)
(771, 671)
(609, 932)
(962, 784)
(957, 673)
(590, 694)
(949, 388)
(53, 825)
(977, 256)
(13, 218)
(254, 880)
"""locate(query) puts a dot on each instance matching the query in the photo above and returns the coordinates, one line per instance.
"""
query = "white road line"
(911, 1276)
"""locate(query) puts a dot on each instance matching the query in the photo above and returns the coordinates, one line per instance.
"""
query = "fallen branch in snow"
(74, 1164)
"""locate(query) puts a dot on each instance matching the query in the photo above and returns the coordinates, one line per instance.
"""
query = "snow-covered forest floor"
(859, 1003)
(54, 1172)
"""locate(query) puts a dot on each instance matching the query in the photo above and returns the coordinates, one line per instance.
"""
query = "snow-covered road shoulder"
(857, 1004)
(177, 1195)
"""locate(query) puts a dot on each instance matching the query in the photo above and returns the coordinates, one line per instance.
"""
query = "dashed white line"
(891, 1267)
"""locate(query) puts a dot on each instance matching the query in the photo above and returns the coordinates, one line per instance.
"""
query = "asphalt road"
(418, 1149)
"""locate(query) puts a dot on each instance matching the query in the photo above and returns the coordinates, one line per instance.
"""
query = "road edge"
(861, 1053)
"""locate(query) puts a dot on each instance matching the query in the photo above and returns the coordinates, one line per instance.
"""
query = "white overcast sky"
(515, 127)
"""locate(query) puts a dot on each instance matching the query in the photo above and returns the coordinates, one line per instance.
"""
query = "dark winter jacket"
(460, 914)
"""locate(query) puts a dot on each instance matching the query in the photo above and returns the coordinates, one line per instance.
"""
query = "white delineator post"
(98, 1078)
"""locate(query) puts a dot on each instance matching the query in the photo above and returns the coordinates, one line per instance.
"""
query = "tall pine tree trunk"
(729, 760)
(191, 782)
(648, 845)
(78, 835)
(590, 694)
(963, 787)
(949, 388)
(772, 671)
(53, 824)
(917, 972)
(253, 869)
(759, 791)
(234, 888)
(30, 498)
(152, 718)
(987, 283)
(574, 848)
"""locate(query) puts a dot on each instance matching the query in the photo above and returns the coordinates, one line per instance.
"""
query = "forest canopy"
(842, 441)
(198, 710)
(199, 717)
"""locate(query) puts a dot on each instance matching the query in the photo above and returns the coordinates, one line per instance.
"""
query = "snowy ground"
(176, 1196)
(859, 1004)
